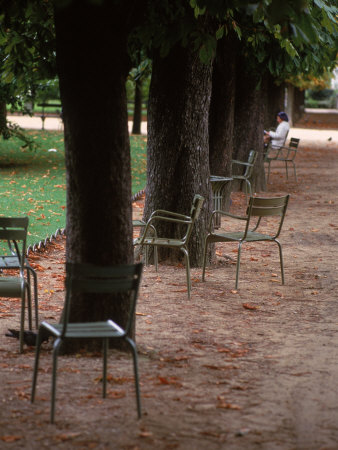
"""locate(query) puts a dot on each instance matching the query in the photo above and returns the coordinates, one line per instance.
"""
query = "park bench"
(44, 114)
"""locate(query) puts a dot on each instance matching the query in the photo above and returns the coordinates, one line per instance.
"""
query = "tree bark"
(298, 105)
(275, 102)
(222, 110)
(222, 107)
(3, 120)
(92, 68)
(249, 121)
(137, 119)
(178, 142)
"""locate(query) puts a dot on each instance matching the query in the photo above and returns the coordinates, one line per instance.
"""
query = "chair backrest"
(263, 207)
(94, 279)
(251, 162)
(12, 230)
(195, 210)
(290, 151)
(294, 142)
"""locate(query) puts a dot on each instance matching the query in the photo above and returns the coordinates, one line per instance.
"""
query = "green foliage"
(27, 42)
(320, 98)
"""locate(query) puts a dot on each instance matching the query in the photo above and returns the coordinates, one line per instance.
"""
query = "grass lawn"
(33, 182)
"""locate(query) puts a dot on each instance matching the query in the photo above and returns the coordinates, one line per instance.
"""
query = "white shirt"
(279, 136)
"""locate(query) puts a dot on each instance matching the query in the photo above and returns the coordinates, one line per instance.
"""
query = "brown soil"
(249, 369)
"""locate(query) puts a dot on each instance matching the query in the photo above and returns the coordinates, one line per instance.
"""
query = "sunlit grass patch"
(34, 183)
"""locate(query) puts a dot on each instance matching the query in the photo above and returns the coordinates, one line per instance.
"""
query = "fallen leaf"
(10, 438)
(250, 306)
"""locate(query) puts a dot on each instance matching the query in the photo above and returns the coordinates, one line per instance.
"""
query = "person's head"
(282, 116)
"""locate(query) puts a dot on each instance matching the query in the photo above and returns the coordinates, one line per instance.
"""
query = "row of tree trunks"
(178, 141)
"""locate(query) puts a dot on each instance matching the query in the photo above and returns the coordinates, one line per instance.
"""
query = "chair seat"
(9, 261)
(107, 329)
(10, 286)
(163, 242)
(238, 236)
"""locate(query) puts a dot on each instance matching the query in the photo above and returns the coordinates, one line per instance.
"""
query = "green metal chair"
(89, 278)
(258, 208)
(249, 165)
(286, 154)
(12, 261)
(179, 243)
(13, 231)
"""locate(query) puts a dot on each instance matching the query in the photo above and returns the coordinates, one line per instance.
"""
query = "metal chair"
(286, 154)
(249, 165)
(179, 243)
(12, 261)
(258, 208)
(89, 278)
(13, 231)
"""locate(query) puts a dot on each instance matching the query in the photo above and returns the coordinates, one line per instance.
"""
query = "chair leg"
(55, 356)
(205, 257)
(286, 170)
(35, 281)
(294, 170)
(104, 375)
(22, 319)
(36, 365)
(248, 188)
(136, 376)
(187, 268)
(29, 306)
(238, 264)
(267, 180)
(281, 260)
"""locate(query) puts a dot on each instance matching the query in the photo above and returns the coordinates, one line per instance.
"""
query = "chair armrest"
(163, 213)
(224, 213)
(242, 163)
(185, 220)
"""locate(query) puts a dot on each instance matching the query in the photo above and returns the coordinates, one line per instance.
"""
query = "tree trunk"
(137, 119)
(92, 67)
(298, 105)
(222, 109)
(3, 121)
(249, 119)
(178, 142)
(275, 102)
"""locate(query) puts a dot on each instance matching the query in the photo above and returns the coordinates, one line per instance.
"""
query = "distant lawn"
(33, 183)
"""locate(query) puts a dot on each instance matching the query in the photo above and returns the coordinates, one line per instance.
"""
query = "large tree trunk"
(178, 141)
(249, 120)
(137, 119)
(222, 109)
(275, 102)
(92, 67)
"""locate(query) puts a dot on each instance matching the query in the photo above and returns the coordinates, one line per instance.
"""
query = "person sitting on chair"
(278, 137)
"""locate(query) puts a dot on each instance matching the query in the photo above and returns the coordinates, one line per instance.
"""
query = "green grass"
(33, 183)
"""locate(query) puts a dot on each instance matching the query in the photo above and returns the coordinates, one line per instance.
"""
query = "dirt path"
(214, 374)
